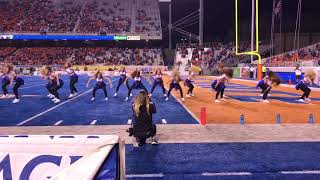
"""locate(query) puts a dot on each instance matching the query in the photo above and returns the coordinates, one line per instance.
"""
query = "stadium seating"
(81, 56)
(213, 54)
(309, 53)
(121, 17)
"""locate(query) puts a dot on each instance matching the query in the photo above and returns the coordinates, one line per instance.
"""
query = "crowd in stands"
(141, 17)
(81, 56)
(216, 53)
(309, 53)
(39, 56)
(34, 15)
(108, 16)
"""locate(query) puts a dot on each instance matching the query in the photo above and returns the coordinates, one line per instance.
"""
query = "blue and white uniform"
(18, 82)
(158, 81)
(137, 84)
(303, 86)
(100, 84)
(73, 80)
(219, 85)
(123, 77)
(4, 83)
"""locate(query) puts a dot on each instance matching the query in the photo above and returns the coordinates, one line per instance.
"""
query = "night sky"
(219, 17)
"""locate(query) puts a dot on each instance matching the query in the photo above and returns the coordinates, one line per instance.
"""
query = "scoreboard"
(69, 37)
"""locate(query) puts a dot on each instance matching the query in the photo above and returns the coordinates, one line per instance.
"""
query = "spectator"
(251, 69)
(143, 126)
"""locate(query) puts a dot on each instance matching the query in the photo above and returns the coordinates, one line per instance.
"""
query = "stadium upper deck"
(121, 17)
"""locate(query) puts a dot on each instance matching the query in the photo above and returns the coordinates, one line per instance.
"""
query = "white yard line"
(54, 107)
(93, 122)
(57, 123)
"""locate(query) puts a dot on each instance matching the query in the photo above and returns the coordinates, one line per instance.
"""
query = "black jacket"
(143, 122)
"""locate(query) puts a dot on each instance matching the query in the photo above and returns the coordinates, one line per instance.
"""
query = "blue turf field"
(35, 109)
(285, 160)
(243, 97)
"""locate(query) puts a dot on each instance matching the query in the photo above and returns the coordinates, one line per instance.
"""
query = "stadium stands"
(213, 54)
(81, 56)
(309, 53)
(122, 17)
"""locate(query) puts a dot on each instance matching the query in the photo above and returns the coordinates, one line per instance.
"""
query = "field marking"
(54, 107)
(32, 86)
(301, 172)
(164, 121)
(144, 175)
(227, 174)
(50, 109)
(93, 122)
(59, 122)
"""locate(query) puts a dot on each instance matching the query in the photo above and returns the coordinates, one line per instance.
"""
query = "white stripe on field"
(32, 86)
(164, 121)
(54, 107)
(227, 174)
(144, 175)
(57, 123)
(93, 122)
(129, 121)
(301, 172)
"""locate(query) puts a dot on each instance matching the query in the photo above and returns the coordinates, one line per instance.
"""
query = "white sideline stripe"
(129, 121)
(144, 175)
(185, 107)
(164, 121)
(31, 95)
(57, 123)
(301, 172)
(93, 122)
(31, 86)
(54, 107)
(227, 174)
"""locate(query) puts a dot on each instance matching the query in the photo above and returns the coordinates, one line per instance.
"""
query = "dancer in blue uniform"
(122, 79)
(54, 82)
(137, 84)
(100, 84)
(18, 82)
(271, 79)
(5, 74)
(188, 82)
(158, 81)
(220, 84)
(73, 79)
(302, 85)
(175, 84)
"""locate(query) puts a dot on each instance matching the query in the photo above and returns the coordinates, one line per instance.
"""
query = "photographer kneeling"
(143, 126)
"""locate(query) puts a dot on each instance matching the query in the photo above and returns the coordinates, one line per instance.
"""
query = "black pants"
(155, 84)
(191, 87)
(121, 81)
(141, 136)
(177, 86)
(137, 86)
(15, 89)
(54, 90)
(266, 92)
(104, 89)
(73, 81)
(306, 92)
(251, 74)
(220, 92)
(4, 87)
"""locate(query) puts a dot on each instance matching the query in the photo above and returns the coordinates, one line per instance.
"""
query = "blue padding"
(110, 167)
